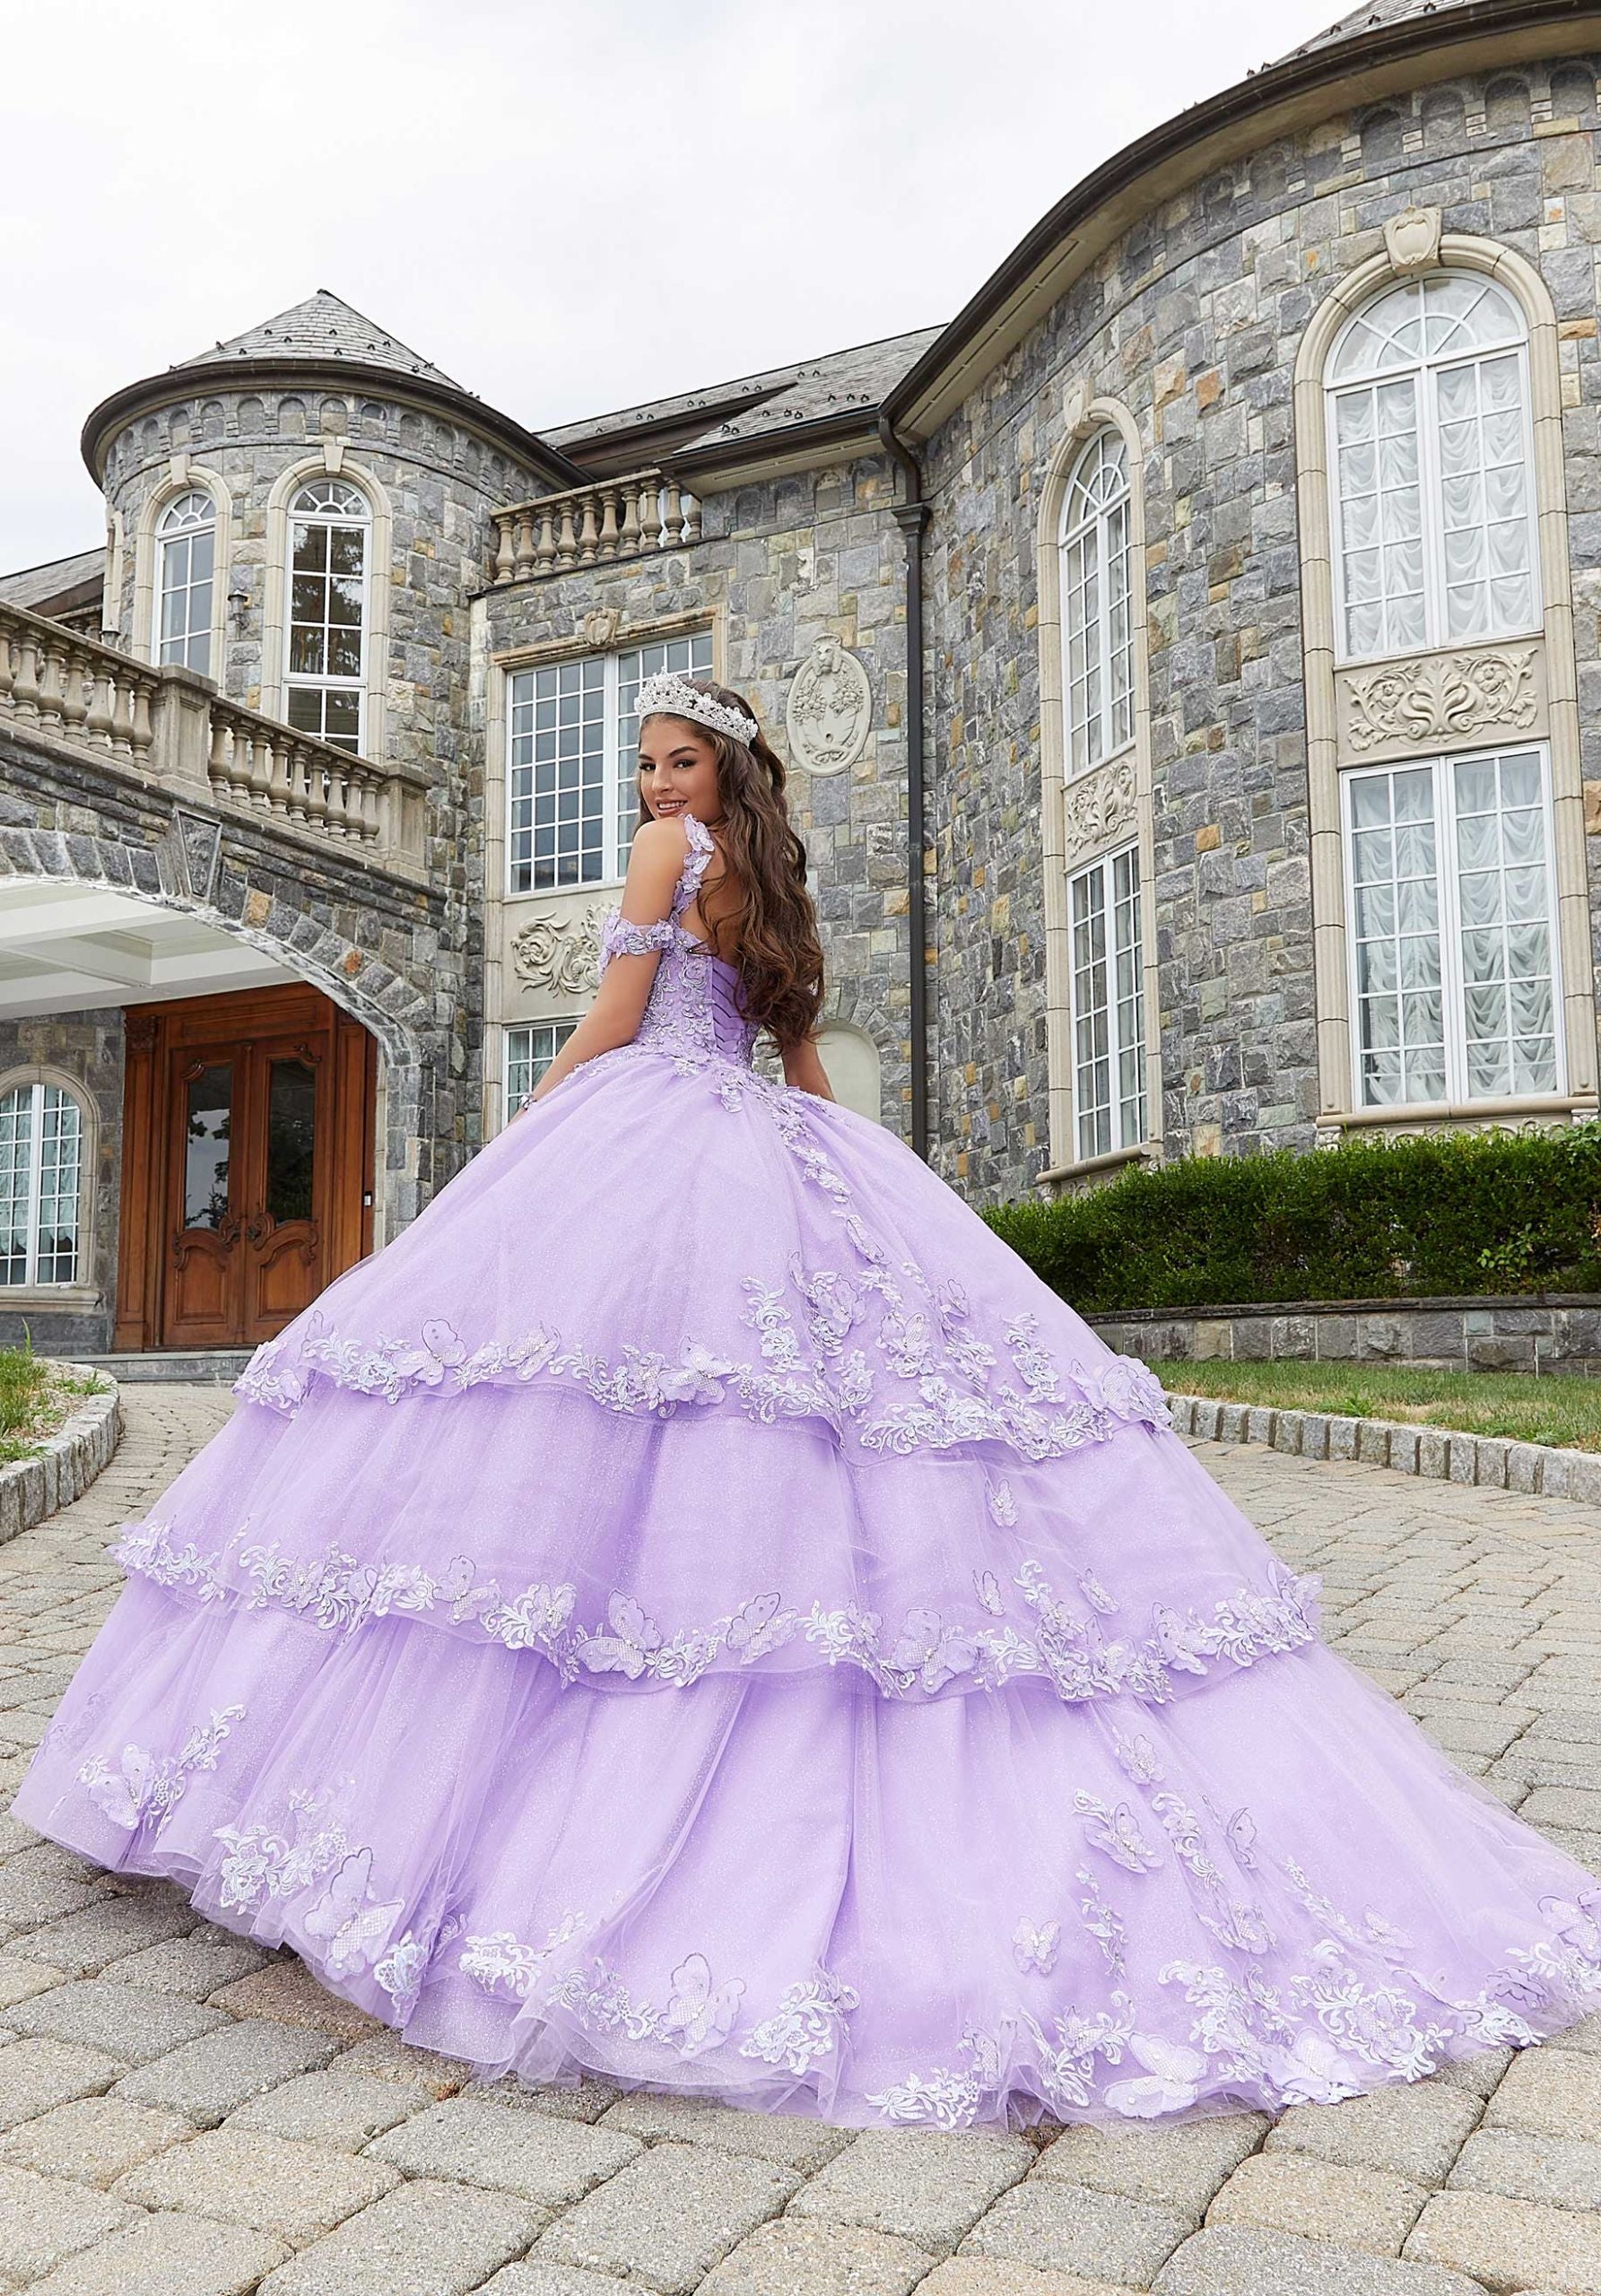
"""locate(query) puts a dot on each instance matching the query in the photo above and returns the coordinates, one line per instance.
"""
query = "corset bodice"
(693, 1014)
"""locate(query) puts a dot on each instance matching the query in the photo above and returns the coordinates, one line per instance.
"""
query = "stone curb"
(67, 1462)
(1541, 1470)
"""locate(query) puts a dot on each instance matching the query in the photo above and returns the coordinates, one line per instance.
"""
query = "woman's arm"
(805, 1071)
(655, 865)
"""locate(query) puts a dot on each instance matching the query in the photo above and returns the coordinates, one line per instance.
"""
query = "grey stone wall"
(86, 1048)
(1192, 320)
(782, 564)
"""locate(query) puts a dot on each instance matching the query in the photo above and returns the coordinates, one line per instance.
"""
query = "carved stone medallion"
(1098, 806)
(1443, 697)
(830, 710)
(1411, 238)
(560, 953)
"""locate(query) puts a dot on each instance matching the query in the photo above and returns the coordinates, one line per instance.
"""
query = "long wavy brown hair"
(771, 926)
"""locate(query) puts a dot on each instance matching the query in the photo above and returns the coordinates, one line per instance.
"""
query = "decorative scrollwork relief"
(1098, 806)
(830, 710)
(1443, 697)
(560, 953)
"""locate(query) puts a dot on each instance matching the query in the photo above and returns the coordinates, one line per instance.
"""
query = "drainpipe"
(912, 516)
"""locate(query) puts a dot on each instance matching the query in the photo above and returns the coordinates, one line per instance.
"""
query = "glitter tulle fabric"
(696, 1608)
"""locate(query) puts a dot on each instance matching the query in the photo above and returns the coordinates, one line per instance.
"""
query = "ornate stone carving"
(1075, 405)
(1098, 806)
(560, 953)
(600, 625)
(830, 710)
(1442, 697)
(1411, 238)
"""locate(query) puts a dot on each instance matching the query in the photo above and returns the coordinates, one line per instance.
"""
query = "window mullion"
(611, 771)
(35, 1186)
(1558, 1011)
(1108, 910)
(1435, 622)
(1532, 502)
(1103, 592)
(1452, 987)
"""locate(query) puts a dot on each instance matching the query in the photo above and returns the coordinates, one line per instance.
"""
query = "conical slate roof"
(1374, 17)
(322, 328)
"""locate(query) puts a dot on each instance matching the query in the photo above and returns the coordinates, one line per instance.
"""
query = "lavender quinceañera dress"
(696, 1608)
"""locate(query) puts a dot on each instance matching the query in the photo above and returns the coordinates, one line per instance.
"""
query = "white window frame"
(305, 681)
(35, 1089)
(560, 1030)
(1124, 1035)
(1453, 987)
(168, 539)
(1424, 375)
(619, 797)
(1094, 530)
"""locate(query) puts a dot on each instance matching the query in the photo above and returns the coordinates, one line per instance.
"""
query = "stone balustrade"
(614, 517)
(172, 726)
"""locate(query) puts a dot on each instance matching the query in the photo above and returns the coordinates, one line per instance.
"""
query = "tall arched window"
(41, 1149)
(187, 548)
(1096, 620)
(329, 525)
(1430, 463)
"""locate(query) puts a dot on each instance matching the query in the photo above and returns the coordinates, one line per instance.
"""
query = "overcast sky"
(569, 206)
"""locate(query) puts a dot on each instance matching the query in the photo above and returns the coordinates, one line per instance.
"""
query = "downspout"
(912, 516)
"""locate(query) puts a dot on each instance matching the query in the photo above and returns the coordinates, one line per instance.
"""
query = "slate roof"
(324, 327)
(1374, 17)
(775, 399)
(32, 585)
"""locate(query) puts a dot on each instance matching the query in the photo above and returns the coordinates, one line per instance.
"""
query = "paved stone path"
(182, 2114)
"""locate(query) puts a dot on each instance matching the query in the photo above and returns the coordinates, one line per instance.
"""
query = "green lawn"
(35, 1396)
(1479, 1403)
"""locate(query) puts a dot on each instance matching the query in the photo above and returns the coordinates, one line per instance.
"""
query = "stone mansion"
(1188, 660)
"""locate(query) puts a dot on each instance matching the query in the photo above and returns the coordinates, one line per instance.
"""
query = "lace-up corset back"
(693, 1014)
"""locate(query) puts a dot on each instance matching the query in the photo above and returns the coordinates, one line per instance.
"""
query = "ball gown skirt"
(695, 1608)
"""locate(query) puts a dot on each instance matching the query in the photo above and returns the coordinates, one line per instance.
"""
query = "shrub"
(1426, 1216)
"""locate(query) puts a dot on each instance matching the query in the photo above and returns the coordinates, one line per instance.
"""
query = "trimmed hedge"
(1428, 1216)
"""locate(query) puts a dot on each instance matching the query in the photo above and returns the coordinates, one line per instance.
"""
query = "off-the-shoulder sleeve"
(621, 937)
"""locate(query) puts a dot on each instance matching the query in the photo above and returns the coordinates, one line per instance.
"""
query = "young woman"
(695, 1608)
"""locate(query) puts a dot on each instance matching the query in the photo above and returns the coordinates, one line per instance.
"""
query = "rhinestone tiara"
(669, 695)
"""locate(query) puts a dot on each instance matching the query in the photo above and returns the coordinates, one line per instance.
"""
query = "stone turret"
(314, 419)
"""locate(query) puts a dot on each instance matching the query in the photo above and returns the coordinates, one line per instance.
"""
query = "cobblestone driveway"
(184, 2115)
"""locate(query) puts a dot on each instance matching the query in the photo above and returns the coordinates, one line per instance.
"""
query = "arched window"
(1430, 460)
(330, 522)
(41, 1151)
(1096, 620)
(187, 545)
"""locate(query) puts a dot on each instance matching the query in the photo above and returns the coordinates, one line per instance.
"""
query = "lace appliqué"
(1355, 2013)
(835, 1386)
(919, 1657)
(141, 1790)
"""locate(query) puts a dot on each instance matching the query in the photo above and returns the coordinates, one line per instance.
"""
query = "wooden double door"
(247, 1164)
